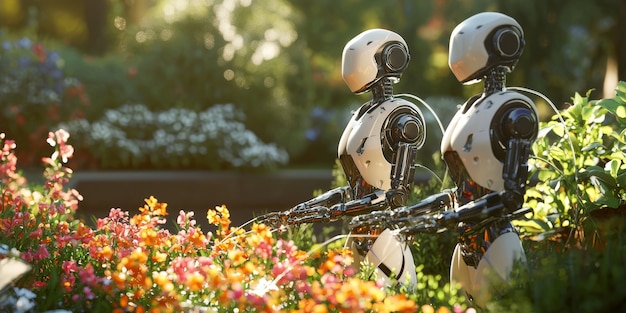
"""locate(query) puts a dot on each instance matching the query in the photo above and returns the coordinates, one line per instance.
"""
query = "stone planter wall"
(245, 194)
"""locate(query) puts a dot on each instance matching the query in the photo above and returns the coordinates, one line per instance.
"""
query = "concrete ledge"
(245, 194)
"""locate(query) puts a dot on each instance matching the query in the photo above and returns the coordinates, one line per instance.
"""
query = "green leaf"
(559, 130)
(592, 146)
(621, 111)
(621, 179)
(587, 114)
(604, 181)
(546, 175)
(609, 104)
(613, 167)
(620, 91)
(557, 153)
(533, 226)
(609, 201)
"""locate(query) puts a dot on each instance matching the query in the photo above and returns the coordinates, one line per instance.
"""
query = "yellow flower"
(149, 236)
(237, 256)
(223, 211)
(212, 217)
(154, 207)
(159, 257)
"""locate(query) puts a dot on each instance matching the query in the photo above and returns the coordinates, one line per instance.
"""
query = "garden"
(131, 262)
(214, 103)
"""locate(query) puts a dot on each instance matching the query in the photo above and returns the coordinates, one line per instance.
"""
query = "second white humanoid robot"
(485, 147)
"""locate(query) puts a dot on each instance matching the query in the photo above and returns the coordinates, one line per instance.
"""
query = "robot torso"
(366, 148)
(471, 147)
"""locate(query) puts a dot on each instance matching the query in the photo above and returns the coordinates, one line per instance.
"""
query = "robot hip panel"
(493, 273)
(392, 258)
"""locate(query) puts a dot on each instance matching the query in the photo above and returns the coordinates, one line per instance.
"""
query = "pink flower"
(37, 233)
(40, 254)
(39, 52)
(87, 276)
(65, 151)
(185, 220)
(89, 295)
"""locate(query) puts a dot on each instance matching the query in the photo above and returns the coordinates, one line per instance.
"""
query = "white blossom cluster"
(134, 136)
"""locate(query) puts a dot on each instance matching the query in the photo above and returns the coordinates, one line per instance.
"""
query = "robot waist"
(474, 241)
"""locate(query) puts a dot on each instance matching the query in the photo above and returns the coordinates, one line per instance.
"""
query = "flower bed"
(134, 264)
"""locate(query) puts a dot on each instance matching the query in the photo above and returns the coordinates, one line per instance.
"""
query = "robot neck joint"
(382, 90)
(495, 80)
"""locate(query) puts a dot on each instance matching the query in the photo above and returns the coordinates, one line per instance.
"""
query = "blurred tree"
(13, 14)
(568, 45)
(96, 20)
(198, 55)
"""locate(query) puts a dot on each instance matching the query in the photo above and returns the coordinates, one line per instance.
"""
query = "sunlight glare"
(266, 51)
(119, 22)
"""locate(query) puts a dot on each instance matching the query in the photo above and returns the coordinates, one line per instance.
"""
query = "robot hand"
(309, 209)
(328, 207)
(423, 213)
(481, 211)
(436, 214)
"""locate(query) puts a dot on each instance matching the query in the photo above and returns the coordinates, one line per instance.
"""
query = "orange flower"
(223, 211)
(105, 253)
(153, 207)
(195, 281)
(212, 217)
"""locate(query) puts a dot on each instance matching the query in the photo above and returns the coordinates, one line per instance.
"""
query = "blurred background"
(256, 86)
(145, 71)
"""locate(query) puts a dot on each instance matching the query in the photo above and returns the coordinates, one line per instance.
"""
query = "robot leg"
(493, 273)
(392, 258)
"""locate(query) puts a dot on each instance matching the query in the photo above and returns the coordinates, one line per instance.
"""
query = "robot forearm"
(515, 173)
(318, 210)
(327, 199)
(402, 173)
(483, 210)
(311, 209)
(404, 216)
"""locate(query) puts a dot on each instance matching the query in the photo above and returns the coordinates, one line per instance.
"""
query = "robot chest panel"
(472, 130)
(362, 142)
(364, 137)
(470, 137)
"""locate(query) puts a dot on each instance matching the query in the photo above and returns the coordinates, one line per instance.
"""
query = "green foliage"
(217, 54)
(575, 280)
(579, 163)
(434, 289)
(107, 80)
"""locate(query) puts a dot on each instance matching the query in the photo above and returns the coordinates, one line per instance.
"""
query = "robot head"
(372, 55)
(483, 42)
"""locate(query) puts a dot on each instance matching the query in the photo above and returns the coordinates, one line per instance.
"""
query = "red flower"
(39, 52)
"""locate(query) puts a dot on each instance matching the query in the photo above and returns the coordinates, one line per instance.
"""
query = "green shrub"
(579, 164)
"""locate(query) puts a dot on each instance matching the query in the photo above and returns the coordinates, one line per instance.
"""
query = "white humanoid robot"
(377, 153)
(486, 148)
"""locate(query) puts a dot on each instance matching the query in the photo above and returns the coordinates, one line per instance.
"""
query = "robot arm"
(515, 173)
(436, 214)
(520, 126)
(309, 208)
(326, 208)
(402, 173)
(405, 134)
(406, 216)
